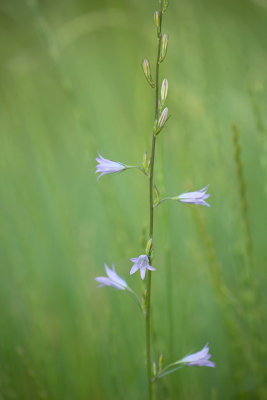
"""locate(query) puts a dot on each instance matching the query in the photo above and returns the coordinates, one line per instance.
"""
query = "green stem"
(135, 296)
(137, 167)
(151, 219)
(165, 198)
(167, 370)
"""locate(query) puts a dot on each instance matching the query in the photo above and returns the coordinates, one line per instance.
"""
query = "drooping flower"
(199, 359)
(112, 279)
(106, 166)
(142, 263)
(197, 197)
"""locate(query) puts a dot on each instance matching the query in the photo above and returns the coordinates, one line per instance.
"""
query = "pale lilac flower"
(197, 197)
(112, 279)
(142, 263)
(200, 359)
(105, 166)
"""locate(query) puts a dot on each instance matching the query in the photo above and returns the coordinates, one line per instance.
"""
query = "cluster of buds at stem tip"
(164, 45)
(161, 121)
(147, 72)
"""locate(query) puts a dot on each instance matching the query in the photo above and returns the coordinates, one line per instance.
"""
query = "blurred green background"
(71, 85)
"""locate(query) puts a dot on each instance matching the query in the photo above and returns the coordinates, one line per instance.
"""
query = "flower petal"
(102, 279)
(114, 277)
(200, 358)
(143, 272)
(134, 269)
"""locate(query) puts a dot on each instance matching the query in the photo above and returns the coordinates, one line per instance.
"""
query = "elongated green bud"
(160, 362)
(144, 163)
(154, 369)
(146, 68)
(156, 19)
(156, 195)
(164, 91)
(164, 45)
(147, 72)
(165, 5)
(149, 247)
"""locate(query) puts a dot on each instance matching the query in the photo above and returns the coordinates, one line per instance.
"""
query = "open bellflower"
(106, 166)
(112, 279)
(199, 359)
(142, 263)
(197, 197)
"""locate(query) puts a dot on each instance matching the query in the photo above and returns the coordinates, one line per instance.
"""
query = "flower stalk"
(151, 208)
(143, 262)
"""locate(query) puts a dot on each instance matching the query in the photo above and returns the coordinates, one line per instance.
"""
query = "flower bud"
(164, 44)
(144, 163)
(165, 5)
(149, 247)
(147, 72)
(156, 19)
(146, 68)
(162, 118)
(160, 362)
(156, 195)
(154, 369)
(164, 91)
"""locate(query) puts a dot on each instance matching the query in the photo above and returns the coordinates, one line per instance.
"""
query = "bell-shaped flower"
(197, 197)
(112, 279)
(200, 359)
(106, 166)
(142, 263)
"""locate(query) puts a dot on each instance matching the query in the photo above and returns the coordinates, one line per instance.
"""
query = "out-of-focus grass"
(71, 85)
